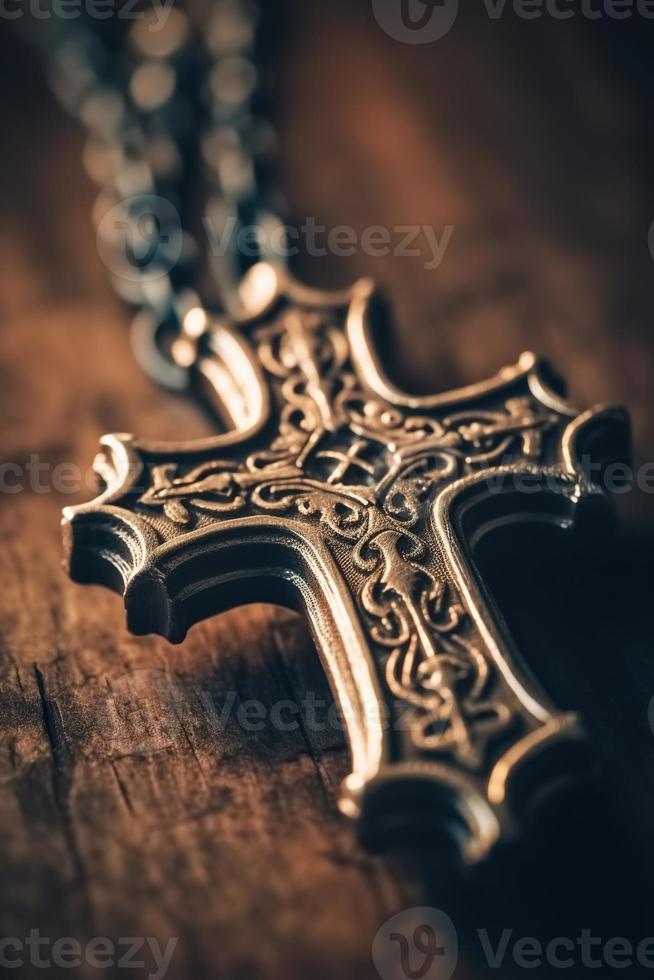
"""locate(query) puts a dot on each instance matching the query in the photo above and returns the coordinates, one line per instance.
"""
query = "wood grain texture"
(129, 805)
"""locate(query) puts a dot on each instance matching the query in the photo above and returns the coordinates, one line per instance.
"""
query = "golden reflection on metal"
(340, 494)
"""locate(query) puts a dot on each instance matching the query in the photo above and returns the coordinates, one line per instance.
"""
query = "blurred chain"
(181, 148)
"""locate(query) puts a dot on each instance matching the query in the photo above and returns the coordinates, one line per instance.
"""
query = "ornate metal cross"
(336, 492)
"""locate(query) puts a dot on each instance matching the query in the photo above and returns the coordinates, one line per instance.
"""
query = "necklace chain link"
(181, 146)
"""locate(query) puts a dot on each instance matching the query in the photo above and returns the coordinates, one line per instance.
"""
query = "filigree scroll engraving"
(363, 503)
(431, 664)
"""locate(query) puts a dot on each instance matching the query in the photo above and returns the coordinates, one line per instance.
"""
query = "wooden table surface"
(129, 806)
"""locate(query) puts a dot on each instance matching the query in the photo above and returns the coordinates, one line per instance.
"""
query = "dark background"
(532, 138)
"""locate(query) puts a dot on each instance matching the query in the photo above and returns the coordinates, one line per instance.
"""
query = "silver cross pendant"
(334, 492)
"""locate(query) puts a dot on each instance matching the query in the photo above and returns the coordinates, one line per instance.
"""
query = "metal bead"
(154, 40)
(152, 84)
